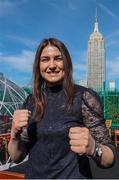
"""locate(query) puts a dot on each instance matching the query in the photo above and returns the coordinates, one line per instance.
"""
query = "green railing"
(110, 101)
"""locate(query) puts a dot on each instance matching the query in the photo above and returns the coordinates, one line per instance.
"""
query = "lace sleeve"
(92, 113)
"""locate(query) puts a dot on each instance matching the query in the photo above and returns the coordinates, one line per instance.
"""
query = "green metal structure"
(110, 100)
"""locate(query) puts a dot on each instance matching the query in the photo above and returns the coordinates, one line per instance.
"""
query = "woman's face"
(51, 65)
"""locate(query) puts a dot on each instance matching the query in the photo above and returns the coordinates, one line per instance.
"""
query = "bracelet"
(98, 150)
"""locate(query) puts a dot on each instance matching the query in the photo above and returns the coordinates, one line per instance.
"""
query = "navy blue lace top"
(50, 156)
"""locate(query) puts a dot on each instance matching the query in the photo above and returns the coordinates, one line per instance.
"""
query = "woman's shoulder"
(82, 89)
(86, 93)
(79, 87)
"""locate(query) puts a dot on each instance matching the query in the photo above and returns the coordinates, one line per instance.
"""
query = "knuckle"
(72, 148)
(70, 135)
(71, 130)
(84, 149)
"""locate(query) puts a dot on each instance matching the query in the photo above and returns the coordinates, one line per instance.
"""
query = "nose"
(52, 64)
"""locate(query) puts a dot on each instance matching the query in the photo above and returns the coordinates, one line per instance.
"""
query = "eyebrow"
(44, 56)
(58, 55)
(54, 56)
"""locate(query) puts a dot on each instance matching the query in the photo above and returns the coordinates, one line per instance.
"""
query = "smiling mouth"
(52, 73)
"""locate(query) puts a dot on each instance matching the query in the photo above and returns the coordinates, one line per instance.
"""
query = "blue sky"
(24, 23)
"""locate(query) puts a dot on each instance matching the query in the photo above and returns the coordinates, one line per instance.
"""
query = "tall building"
(96, 59)
(112, 86)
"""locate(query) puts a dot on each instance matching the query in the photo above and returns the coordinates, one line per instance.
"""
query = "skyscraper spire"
(96, 59)
(96, 22)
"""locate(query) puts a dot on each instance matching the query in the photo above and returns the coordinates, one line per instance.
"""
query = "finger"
(75, 142)
(78, 129)
(25, 116)
(78, 149)
(19, 116)
(75, 136)
(79, 142)
(26, 112)
(79, 135)
(75, 129)
(20, 121)
(22, 110)
(20, 125)
(23, 119)
(23, 124)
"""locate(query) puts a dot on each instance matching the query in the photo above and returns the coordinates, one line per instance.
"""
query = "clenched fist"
(20, 120)
(81, 141)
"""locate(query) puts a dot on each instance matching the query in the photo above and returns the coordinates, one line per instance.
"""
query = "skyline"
(23, 24)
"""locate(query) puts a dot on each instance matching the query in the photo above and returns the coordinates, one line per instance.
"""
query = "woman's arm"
(83, 143)
(93, 117)
(107, 157)
(17, 150)
(16, 147)
(93, 139)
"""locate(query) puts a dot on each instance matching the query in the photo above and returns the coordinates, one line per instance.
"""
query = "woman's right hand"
(20, 120)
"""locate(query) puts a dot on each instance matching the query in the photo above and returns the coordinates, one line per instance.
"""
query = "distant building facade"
(96, 59)
(112, 85)
(83, 83)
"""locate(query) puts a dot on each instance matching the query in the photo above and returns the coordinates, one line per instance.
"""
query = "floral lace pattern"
(92, 113)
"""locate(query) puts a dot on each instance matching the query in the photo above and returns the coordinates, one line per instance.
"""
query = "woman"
(64, 121)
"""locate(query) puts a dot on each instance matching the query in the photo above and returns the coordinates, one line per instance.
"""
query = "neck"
(56, 88)
(53, 85)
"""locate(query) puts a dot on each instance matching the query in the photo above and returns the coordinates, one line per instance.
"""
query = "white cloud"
(21, 62)
(26, 41)
(109, 12)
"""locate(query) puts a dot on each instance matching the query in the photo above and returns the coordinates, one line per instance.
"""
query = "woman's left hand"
(81, 141)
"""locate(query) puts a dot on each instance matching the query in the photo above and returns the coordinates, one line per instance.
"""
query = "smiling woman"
(62, 124)
(52, 65)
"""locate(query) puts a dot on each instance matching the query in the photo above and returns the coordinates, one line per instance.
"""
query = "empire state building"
(96, 59)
